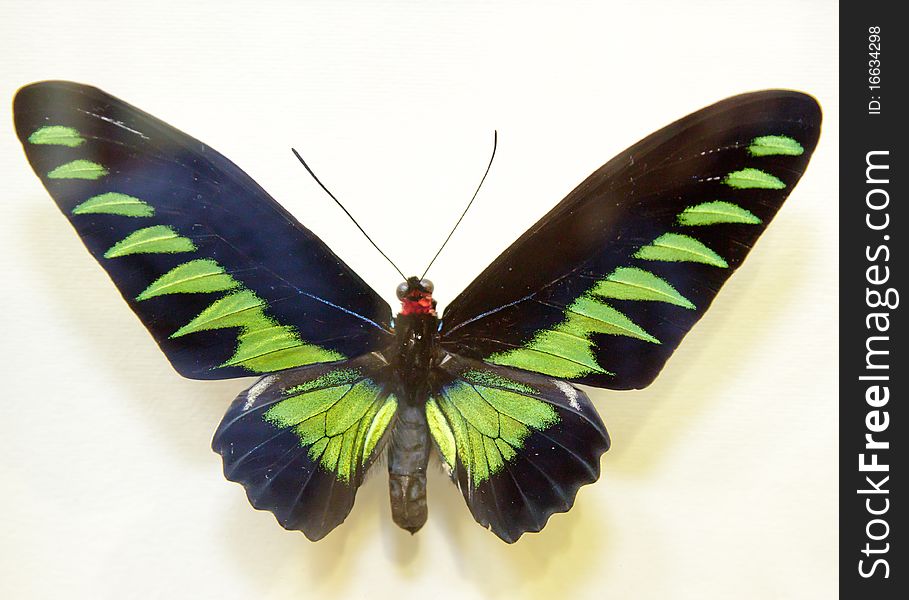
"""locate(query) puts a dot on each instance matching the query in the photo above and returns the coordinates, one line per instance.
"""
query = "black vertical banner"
(873, 260)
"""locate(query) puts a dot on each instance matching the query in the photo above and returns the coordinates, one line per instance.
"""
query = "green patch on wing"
(484, 427)
(378, 423)
(196, 276)
(675, 247)
(750, 178)
(716, 212)
(56, 135)
(114, 203)
(770, 145)
(490, 378)
(441, 432)
(157, 239)
(631, 283)
(588, 314)
(263, 344)
(566, 350)
(78, 169)
(240, 309)
(330, 379)
(339, 416)
(275, 348)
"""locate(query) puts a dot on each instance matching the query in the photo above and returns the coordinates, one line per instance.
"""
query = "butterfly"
(599, 292)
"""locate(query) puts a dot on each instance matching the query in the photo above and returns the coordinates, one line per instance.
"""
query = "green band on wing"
(157, 239)
(479, 413)
(587, 315)
(351, 408)
(275, 348)
(264, 345)
(113, 203)
(673, 247)
(299, 408)
(712, 213)
(377, 426)
(78, 169)
(507, 450)
(194, 277)
(459, 428)
(494, 459)
(331, 453)
(479, 465)
(541, 362)
(753, 179)
(492, 379)
(566, 350)
(240, 309)
(441, 432)
(318, 449)
(57, 135)
(768, 145)
(522, 408)
(335, 378)
(514, 432)
(631, 283)
(569, 346)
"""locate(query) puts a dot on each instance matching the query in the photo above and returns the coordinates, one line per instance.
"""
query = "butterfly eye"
(402, 290)
(427, 286)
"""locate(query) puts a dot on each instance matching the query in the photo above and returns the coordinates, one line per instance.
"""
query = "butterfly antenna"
(495, 143)
(347, 212)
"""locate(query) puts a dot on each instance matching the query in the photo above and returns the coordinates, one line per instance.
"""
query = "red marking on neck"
(418, 303)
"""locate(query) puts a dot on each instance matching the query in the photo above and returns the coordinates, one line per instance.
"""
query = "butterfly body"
(600, 291)
(414, 357)
(408, 457)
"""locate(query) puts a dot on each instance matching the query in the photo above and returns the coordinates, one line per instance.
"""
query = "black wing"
(225, 279)
(604, 287)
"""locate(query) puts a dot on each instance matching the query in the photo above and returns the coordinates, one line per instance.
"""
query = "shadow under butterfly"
(599, 292)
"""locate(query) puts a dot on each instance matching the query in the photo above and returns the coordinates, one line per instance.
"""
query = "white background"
(722, 479)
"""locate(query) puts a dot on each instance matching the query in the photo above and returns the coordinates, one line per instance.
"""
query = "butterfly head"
(415, 295)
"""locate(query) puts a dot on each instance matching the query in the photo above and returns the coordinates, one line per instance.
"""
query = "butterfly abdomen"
(413, 357)
(408, 454)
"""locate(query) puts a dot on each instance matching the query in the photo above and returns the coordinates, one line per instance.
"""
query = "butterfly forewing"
(226, 280)
(603, 288)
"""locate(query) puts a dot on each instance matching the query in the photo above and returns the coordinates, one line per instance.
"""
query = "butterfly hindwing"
(519, 445)
(604, 287)
(300, 441)
(225, 279)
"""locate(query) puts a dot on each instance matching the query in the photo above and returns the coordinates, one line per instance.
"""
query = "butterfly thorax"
(416, 347)
(416, 351)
